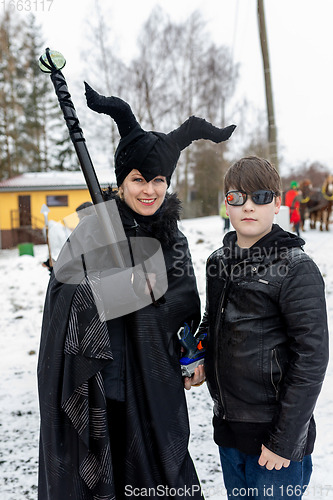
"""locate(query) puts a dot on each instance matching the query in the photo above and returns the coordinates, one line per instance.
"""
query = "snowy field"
(22, 290)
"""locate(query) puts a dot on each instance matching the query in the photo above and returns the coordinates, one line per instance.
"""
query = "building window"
(57, 201)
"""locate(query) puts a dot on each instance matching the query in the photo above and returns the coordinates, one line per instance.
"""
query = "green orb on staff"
(51, 61)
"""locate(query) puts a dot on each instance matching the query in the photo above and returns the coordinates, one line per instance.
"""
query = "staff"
(52, 62)
(45, 210)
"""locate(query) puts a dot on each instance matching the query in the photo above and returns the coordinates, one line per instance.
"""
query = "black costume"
(152, 153)
(74, 447)
(78, 441)
(267, 332)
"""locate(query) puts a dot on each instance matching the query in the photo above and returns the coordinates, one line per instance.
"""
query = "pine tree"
(33, 133)
(11, 82)
(34, 93)
(46, 141)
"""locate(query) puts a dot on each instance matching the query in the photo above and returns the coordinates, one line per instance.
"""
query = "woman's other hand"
(197, 378)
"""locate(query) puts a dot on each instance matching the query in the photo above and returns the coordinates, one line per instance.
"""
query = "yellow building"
(22, 197)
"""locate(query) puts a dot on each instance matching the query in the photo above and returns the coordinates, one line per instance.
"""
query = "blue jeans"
(244, 478)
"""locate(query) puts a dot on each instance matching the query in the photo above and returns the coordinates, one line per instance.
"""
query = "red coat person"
(293, 203)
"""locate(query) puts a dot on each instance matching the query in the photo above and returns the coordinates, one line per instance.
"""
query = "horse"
(305, 187)
(316, 202)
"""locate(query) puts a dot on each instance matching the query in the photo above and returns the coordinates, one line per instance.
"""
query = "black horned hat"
(152, 153)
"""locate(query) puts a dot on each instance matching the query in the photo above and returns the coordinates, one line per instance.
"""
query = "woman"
(113, 412)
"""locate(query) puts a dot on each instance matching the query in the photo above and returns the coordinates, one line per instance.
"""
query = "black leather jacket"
(267, 348)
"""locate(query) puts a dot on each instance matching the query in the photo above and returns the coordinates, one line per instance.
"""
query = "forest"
(178, 71)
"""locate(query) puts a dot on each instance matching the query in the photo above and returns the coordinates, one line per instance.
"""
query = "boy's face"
(252, 221)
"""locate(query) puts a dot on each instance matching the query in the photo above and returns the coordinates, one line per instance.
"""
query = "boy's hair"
(250, 174)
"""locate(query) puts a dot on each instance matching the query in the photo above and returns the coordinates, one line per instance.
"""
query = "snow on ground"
(22, 290)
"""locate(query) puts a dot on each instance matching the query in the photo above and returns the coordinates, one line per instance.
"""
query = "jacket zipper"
(220, 312)
(276, 387)
(217, 324)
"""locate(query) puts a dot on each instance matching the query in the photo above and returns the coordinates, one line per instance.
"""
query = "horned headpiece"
(152, 153)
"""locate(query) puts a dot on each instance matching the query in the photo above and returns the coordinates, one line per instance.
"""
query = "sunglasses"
(238, 198)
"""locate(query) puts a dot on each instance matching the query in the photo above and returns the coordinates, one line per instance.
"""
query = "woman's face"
(143, 197)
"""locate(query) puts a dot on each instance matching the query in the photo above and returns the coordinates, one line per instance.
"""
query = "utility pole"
(272, 135)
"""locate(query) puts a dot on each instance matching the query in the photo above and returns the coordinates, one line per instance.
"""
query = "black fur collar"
(162, 225)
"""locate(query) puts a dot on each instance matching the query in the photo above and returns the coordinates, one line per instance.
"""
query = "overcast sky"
(300, 39)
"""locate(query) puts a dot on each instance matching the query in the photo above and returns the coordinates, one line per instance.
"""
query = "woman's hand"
(151, 277)
(197, 378)
(272, 461)
(140, 282)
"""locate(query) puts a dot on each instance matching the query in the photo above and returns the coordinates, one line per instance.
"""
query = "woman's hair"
(250, 174)
(120, 193)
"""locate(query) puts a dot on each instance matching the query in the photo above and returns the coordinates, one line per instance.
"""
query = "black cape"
(75, 457)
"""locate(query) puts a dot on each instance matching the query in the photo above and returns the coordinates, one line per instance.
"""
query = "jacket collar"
(275, 241)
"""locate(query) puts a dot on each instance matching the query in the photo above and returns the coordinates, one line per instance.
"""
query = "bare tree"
(218, 81)
(180, 72)
(151, 71)
(105, 72)
(315, 171)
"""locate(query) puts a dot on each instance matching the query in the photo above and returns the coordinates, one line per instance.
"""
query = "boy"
(267, 347)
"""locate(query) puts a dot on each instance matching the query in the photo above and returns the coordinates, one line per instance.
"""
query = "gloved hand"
(140, 282)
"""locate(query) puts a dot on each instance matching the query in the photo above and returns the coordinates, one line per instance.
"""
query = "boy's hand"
(271, 460)
(198, 378)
